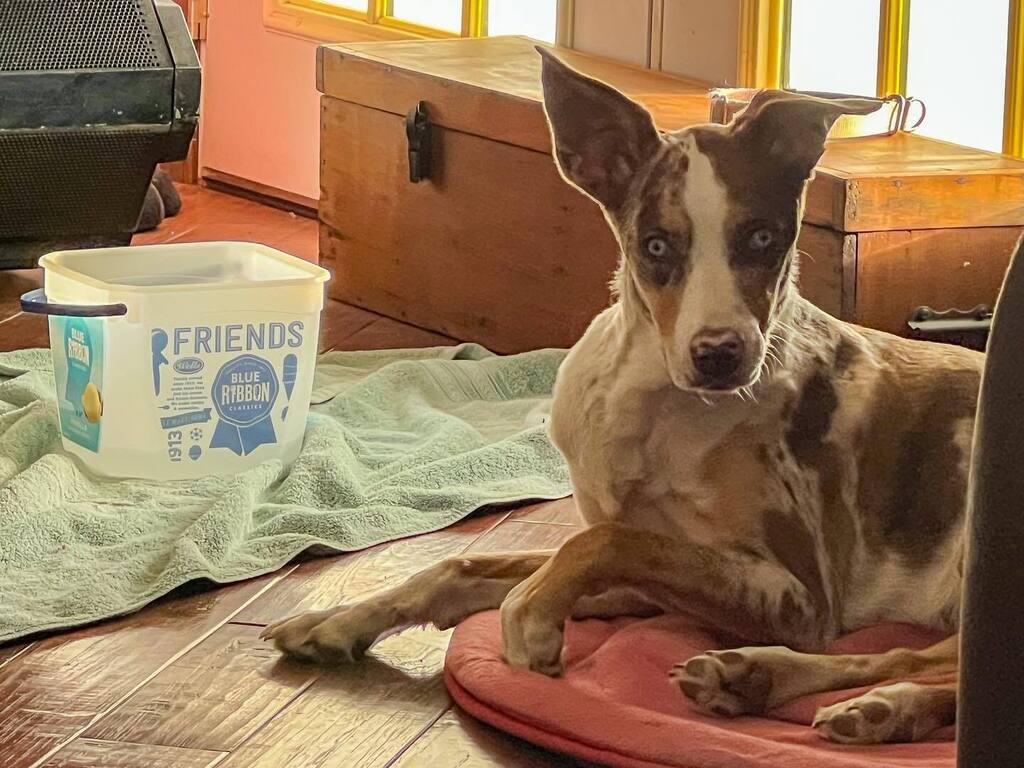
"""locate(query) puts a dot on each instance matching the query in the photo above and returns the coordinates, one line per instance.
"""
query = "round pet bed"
(615, 704)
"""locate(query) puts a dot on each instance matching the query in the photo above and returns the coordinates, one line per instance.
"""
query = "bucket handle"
(36, 303)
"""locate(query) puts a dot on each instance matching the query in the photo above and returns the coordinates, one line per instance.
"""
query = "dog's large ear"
(601, 137)
(792, 128)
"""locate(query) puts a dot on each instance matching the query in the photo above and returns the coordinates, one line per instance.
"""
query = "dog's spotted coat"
(809, 481)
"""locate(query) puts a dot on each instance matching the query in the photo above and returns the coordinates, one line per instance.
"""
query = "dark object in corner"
(967, 328)
(152, 211)
(990, 720)
(95, 94)
(168, 192)
(162, 200)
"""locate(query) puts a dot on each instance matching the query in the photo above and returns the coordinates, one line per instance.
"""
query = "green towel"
(397, 443)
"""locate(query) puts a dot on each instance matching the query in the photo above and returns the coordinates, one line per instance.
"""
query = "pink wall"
(261, 115)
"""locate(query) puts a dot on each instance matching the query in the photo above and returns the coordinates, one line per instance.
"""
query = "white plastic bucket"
(178, 361)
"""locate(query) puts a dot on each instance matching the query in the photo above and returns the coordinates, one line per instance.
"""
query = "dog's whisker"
(785, 326)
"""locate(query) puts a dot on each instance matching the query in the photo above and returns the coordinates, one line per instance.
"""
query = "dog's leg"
(753, 680)
(893, 713)
(733, 589)
(442, 595)
(616, 602)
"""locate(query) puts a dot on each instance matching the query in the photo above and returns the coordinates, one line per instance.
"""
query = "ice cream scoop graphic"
(289, 371)
(92, 403)
(158, 343)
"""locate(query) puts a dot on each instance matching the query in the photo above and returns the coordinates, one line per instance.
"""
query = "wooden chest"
(494, 247)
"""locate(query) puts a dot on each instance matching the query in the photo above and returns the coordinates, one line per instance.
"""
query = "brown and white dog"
(736, 453)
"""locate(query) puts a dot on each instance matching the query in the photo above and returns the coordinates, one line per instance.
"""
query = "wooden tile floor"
(185, 683)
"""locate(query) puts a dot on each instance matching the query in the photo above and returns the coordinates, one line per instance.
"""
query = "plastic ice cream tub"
(178, 361)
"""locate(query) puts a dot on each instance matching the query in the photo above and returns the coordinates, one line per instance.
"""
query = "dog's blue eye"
(761, 239)
(656, 247)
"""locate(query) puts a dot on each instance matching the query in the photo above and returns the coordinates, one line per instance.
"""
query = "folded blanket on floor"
(398, 443)
(616, 705)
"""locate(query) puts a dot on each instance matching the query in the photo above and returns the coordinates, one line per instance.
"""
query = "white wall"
(701, 38)
(698, 38)
(618, 29)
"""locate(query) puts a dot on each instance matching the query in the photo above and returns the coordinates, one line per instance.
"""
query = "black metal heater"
(93, 95)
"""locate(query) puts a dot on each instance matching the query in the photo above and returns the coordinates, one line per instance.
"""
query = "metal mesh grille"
(73, 182)
(77, 34)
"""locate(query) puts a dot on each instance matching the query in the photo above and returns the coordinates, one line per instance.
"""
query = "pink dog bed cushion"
(615, 704)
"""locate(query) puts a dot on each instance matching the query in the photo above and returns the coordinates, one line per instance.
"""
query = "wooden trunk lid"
(490, 87)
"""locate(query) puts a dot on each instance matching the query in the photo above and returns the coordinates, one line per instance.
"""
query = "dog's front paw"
(530, 640)
(725, 683)
(335, 636)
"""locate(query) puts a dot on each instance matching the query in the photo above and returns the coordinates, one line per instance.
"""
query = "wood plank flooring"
(185, 683)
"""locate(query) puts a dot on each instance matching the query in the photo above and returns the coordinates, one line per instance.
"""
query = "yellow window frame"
(764, 55)
(324, 21)
(764, 43)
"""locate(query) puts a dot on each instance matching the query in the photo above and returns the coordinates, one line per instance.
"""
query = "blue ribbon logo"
(244, 392)
(78, 352)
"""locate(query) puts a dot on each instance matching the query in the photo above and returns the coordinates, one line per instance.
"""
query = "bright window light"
(439, 14)
(533, 18)
(352, 5)
(833, 45)
(957, 66)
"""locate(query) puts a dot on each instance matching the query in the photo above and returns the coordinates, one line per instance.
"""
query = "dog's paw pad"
(867, 719)
(725, 683)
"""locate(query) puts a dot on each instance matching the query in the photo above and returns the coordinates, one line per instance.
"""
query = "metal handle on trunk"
(418, 132)
(968, 328)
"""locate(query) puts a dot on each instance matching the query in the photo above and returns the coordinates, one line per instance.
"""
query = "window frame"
(764, 55)
(320, 20)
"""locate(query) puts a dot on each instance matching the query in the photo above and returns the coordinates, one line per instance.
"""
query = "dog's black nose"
(717, 355)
